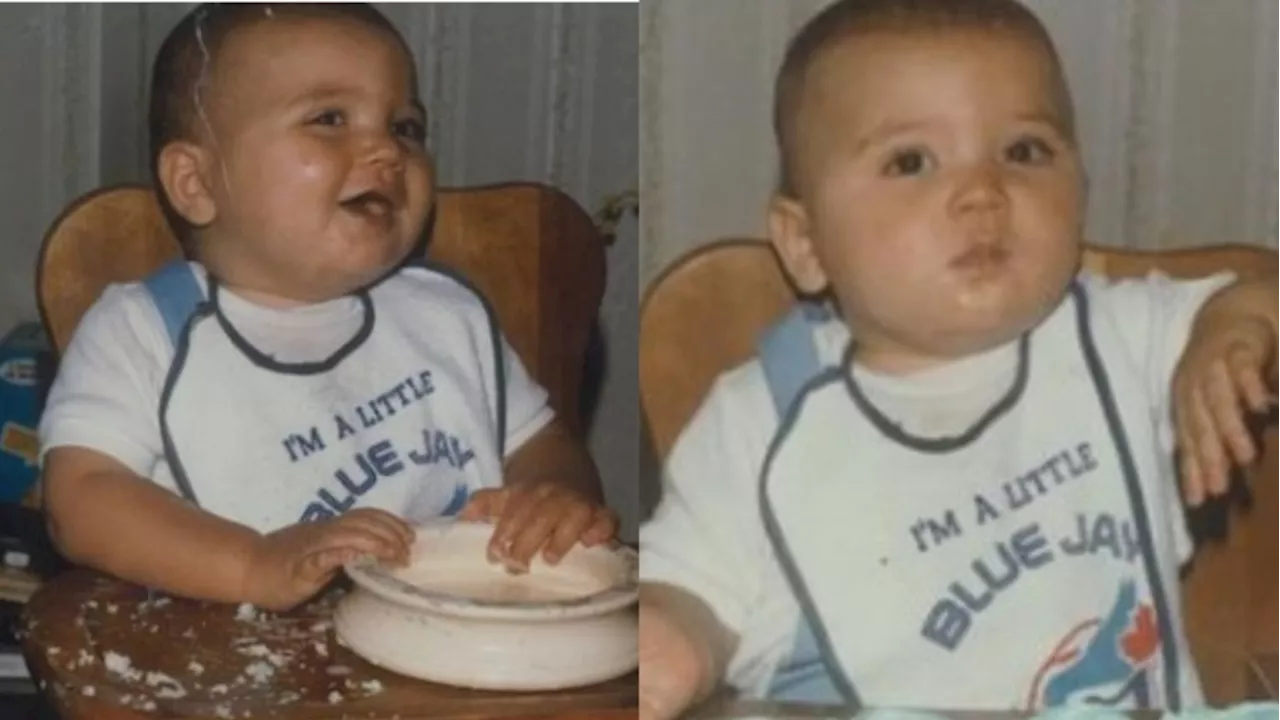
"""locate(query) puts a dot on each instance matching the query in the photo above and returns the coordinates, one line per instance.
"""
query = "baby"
(952, 486)
(239, 427)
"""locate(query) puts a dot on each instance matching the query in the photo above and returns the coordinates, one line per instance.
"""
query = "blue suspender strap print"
(790, 360)
(176, 294)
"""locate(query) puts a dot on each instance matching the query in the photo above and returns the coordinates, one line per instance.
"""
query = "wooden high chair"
(530, 249)
(705, 314)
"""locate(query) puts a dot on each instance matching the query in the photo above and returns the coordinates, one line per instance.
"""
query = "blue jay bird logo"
(1104, 661)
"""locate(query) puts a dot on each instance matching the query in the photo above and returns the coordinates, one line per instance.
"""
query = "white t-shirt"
(108, 391)
(707, 534)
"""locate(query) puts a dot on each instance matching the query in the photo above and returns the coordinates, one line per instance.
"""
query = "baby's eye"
(413, 129)
(328, 118)
(905, 163)
(1029, 151)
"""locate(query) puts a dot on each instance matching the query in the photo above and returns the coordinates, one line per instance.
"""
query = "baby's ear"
(789, 233)
(185, 171)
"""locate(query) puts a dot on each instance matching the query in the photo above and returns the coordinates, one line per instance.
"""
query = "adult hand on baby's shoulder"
(290, 565)
(1219, 382)
(545, 516)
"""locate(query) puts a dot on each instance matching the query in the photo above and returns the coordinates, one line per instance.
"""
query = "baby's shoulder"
(424, 286)
(120, 335)
(124, 314)
(736, 414)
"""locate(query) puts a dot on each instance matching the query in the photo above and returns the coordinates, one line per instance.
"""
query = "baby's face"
(941, 189)
(319, 136)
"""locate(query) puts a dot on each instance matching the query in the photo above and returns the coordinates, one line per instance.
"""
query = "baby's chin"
(978, 327)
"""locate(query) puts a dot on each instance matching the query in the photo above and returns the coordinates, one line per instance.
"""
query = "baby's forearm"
(712, 643)
(555, 455)
(1250, 300)
(113, 521)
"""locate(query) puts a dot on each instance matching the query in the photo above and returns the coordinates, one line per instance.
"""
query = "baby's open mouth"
(371, 204)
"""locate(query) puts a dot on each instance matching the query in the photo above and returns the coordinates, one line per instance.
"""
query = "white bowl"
(453, 617)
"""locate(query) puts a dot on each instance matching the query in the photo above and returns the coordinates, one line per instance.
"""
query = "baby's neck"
(897, 361)
(266, 299)
(887, 357)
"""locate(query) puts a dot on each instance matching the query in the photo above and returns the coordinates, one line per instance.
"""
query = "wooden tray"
(103, 649)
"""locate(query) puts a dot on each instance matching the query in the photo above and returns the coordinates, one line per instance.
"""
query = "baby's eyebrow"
(320, 94)
(329, 93)
(1048, 119)
(885, 131)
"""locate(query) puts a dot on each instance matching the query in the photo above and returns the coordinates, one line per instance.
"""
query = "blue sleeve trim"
(788, 354)
(176, 295)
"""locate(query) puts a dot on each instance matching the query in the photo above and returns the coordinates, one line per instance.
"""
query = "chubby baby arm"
(1226, 372)
(102, 515)
(684, 651)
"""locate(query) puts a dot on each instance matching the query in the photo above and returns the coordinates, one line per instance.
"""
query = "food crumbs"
(169, 687)
(260, 671)
(120, 665)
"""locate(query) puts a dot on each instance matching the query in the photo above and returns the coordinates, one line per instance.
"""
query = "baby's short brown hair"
(851, 18)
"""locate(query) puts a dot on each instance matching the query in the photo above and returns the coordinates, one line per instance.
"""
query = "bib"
(1016, 565)
(400, 417)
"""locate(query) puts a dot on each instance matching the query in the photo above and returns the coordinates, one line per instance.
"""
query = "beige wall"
(1176, 98)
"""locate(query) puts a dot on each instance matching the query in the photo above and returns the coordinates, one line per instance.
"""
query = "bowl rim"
(372, 576)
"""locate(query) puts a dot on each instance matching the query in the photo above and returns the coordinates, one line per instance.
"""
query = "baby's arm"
(684, 651)
(102, 515)
(100, 433)
(1226, 372)
(554, 456)
(551, 496)
(706, 608)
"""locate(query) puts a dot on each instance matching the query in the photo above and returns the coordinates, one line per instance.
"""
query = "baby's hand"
(1218, 383)
(293, 563)
(539, 516)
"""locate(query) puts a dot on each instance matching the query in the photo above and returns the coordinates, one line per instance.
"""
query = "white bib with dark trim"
(1010, 567)
(400, 417)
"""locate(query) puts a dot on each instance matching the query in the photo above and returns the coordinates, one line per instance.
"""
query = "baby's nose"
(383, 148)
(981, 188)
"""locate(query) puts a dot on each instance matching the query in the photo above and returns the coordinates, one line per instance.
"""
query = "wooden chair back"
(530, 249)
